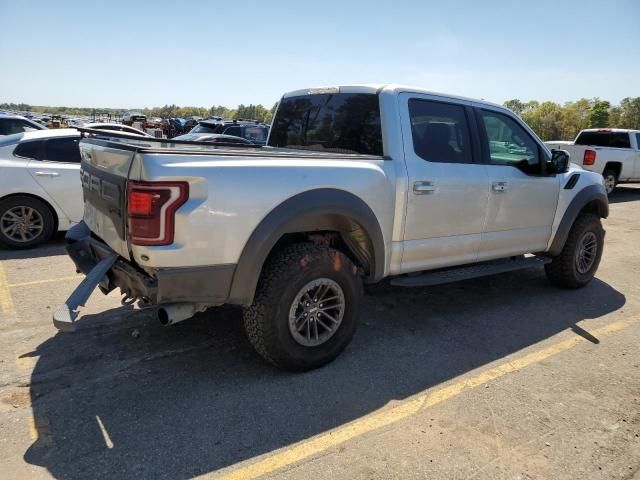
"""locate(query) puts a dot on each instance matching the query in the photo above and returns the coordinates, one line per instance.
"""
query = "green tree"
(575, 117)
(599, 116)
(515, 105)
(630, 117)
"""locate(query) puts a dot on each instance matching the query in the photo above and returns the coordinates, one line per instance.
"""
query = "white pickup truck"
(356, 183)
(614, 153)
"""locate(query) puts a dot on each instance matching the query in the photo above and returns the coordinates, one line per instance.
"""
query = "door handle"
(47, 174)
(423, 188)
(500, 186)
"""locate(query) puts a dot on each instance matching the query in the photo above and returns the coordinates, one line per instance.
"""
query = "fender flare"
(313, 210)
(591, 195)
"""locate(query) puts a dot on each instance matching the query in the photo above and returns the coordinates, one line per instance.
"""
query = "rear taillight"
(589, 157)
(151, 208)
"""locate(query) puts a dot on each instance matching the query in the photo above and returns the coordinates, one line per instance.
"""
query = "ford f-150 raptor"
(355, 184)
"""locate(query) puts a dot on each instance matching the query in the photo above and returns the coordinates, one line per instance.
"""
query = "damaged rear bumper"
(203, 285)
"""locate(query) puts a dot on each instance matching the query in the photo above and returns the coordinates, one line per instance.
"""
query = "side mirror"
(559, 161)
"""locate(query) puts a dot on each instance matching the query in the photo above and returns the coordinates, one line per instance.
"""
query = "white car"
(40, 191)
(10, 124)
(119, 127)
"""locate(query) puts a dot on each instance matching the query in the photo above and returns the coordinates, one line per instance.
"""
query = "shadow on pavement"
(625, 193)
(55, 246)
(194, 398)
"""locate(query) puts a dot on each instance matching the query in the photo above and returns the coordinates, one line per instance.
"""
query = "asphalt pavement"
(499, 377)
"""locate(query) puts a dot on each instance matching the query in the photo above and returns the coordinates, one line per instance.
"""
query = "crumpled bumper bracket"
(65, 315)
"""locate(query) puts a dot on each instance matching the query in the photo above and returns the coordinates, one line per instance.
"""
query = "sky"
(223, 52)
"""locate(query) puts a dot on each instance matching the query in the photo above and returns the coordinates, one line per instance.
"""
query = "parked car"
(213, 138)
(612, 152)
(10, 124)
(356, 184)
(130, 117)
(40, 191)
(118, 127)
(254, 131)
(191, 122)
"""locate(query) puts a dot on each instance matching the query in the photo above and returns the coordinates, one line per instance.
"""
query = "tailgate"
(104, 172)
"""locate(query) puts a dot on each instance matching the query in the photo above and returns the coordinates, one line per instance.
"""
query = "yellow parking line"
(386, 416)
(49, 280)
(33, 430)
(6, 302)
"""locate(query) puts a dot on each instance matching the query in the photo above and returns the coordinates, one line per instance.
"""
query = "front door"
(448, 184)
(522, 200)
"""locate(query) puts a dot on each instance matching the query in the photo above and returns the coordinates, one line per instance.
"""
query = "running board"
(465, 272)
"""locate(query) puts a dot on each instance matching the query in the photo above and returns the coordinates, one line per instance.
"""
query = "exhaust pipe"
(172, 313)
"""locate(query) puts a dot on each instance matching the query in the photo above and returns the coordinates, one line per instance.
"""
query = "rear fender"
(315, 210)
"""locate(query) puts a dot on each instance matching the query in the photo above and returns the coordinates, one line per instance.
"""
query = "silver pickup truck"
(355, 184)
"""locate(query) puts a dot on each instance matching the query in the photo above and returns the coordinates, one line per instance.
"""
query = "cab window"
(440, 131)
(509, 144)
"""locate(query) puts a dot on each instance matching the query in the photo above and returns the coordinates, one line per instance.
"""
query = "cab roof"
(373, 88)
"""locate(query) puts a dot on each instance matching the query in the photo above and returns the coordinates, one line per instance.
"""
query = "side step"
(465, 272)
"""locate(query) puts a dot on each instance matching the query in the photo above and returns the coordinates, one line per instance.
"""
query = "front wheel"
(306, 307)
(577, 263)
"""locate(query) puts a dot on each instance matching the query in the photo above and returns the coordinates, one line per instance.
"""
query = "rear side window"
(440, 131)
(62, 150)
(604, 139)
(235, 131)
(638, 141)
(255, 134)
(330, 122)
(29, 150)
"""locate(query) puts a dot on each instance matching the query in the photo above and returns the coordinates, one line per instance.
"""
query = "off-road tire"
(284, 275)
(563, 269)
(48, 221)
(612, 177)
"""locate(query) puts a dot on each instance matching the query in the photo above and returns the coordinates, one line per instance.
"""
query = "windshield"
(343, 123)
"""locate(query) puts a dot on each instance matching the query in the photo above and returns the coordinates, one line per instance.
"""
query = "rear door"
(522, 199)
(58, 173)
(448, 184)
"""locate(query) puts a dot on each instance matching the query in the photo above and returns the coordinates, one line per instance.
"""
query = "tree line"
(550, 120)
(253, 112)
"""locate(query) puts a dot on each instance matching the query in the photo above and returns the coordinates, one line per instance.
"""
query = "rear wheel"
(25, 222)
(610, 181)
(577, 263)
(306, 307)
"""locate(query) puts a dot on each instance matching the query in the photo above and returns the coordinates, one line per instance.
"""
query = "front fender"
(592, 196)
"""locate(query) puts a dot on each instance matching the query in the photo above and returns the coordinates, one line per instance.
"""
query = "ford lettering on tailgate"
(104, 192)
